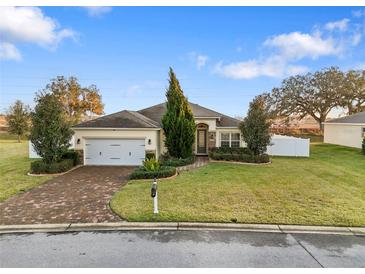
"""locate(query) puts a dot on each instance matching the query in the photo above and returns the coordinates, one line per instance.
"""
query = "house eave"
(228, 127)
(345, 124)
(207, 117)
(113, 128)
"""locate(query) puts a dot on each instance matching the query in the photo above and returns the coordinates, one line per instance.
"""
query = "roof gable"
(122, 119)
(358, 118)
(151, 118)
(157, 111)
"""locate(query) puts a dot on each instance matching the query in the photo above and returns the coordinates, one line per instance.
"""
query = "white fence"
(288, 146)
(33, 154)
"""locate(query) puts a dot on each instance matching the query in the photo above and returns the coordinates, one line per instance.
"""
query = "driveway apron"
(81, 196)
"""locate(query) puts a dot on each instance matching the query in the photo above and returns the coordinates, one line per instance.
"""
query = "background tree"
(178, 121)
(51, 132)
(255, 127)
(18, 119)
(76, 100)
(353, 94)
(312, 94)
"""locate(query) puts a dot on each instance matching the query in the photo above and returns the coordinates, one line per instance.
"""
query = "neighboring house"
(294, 123)
(3, 123)
(345, 131)
(123, 138)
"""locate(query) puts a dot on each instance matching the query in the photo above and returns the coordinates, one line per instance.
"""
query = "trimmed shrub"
(73, 155)
(231, 150)
(177, 161)
(363, 146)
(246, 158)
(163, 172)
(39, 166)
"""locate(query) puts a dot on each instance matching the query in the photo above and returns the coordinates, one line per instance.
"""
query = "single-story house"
(124, 138)
(346, 131)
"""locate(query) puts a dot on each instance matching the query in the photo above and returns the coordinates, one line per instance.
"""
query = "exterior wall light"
(149, 141)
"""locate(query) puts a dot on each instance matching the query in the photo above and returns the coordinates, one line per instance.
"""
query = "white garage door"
(114, 152)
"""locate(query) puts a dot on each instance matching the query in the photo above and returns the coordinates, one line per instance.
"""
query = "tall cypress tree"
(178, 121)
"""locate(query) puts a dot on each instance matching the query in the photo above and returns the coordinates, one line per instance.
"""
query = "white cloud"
(29, 24)
(288, 48)
(199, 60)
(295, 70)
(97, 11)
(356, 39)
(9, 52)
(274, 66)
(340, 25)
(281, 53)
(297, 45)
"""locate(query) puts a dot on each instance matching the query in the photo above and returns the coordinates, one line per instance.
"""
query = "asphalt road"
(180, 249)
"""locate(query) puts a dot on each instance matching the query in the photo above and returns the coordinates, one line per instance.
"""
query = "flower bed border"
(240, 163)
(53, 174)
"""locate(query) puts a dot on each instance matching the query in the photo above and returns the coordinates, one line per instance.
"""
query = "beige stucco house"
(346, 131)
(123, 138)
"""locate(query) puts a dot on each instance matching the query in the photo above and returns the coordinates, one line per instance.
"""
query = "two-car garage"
(113, 151)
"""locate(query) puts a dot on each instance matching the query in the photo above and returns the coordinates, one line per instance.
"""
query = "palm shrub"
(151, 164)
(178, 121)
(255, 127)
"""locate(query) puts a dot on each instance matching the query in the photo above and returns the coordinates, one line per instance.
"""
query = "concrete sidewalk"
(182, 226)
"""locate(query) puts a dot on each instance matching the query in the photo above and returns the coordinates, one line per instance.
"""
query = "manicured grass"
(14, 165)
(326, 189)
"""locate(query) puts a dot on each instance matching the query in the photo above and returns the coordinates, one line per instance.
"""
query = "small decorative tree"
(18, 119)
(256, 127)
(51, 132)
(178, 121)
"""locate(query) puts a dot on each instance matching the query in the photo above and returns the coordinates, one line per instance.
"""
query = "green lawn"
(326, 189)
(14, 165)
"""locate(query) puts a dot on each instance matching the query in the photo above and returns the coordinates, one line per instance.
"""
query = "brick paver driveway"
(81, 195)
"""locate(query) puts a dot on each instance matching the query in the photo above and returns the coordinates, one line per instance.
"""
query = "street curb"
(182, 226)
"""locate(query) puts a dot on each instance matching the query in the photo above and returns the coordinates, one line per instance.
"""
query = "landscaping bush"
(231, 150)
(163, 172)
(170, 161)
(363, 146)
(242, 157)
(151, 164)
(40, 166)
(73, 155)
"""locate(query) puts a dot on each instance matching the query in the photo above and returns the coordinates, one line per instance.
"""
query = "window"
(224, 139)
(230, 139)
(235, 140)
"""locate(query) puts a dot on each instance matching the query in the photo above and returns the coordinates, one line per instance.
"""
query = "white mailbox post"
(154, 196)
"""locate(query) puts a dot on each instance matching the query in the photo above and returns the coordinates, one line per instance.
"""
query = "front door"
(202, 141)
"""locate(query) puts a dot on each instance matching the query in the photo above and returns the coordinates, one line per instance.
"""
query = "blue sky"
(223, 56)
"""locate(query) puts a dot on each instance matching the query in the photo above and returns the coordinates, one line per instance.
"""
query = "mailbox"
(154, 189)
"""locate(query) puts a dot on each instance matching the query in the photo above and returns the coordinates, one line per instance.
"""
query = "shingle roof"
(122, 119)
(358, 118)
(156, 112)
(151, 118)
